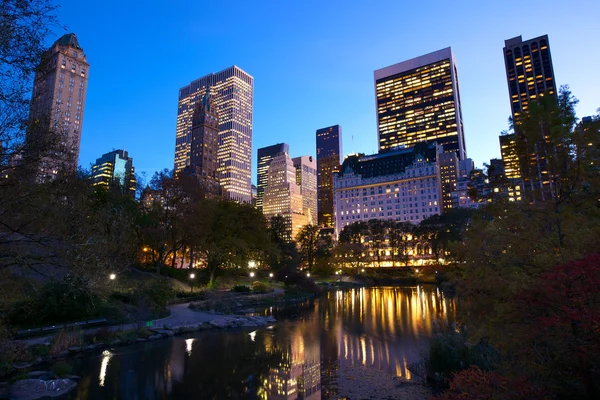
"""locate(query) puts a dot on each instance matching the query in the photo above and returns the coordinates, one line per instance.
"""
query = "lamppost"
(112, 277)
(192, 276)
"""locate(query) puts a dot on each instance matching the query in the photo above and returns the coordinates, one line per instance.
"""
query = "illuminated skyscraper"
(419, 100)
(329, 153)
(448, 165)
(232, 92)
(306, 177)
(529, 75)
(58, 101)
(115, 169)
(283, 196)
(529, 71)
(265, 155)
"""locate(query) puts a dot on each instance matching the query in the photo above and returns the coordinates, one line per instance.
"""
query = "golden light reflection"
(106, 355)
(188, 346)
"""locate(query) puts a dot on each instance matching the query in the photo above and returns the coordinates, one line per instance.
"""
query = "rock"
(63, 353)
(116, 342)
(74, 377)
(74, 349)
(30, 389)
(36, 374)
(141, 340)
(219, 323)
(154, 337)
(165, 332)
(91, 347)
(22, 365)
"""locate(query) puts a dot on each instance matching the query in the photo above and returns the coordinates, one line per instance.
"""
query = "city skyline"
(151, 112)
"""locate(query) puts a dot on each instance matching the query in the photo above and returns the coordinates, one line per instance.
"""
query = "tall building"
(283, 196)
(306, 177)
(529, 75)
(57, 104)
(419, 100)
(401, 185)
(232, 92)
(529, 71)
(115, 169)
(265, 155)
(329, 156)
(204, 145)
(448, 163)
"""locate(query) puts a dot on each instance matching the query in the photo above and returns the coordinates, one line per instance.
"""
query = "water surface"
(303, 356)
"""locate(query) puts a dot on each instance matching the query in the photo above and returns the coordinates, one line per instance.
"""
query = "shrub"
(259, 287)
(65, 339)
(11, 352)
(241, 288)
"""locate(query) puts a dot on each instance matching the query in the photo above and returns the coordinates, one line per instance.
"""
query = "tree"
(351, 249)
(308, 240)
(400, 240)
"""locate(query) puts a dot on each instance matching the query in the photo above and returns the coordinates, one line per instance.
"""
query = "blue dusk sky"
(312, 63)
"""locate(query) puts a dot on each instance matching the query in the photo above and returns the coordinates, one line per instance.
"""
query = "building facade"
(232, 92)
(419, 100)
(283, 196)
(115, 169)
(306, 177)
(265, 155)
(529, 76)
(402, 185)
(57, 105)
(448, 163)
(329, 153)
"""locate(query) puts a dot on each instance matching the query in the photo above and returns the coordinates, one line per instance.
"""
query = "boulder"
(74, 349)
(164, 332)
(30, 389)
(141, 340)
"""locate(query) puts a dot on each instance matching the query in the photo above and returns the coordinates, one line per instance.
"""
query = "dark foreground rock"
(30, 389)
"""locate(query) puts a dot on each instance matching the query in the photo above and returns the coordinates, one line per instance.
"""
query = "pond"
(355, 343)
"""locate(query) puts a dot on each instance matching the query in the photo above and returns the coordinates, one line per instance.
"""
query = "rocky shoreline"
(42, 384)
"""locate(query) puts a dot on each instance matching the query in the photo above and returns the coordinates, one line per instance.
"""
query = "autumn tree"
(308, 240)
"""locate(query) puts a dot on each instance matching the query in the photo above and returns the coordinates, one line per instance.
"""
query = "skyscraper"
(265, 155)
(306, 177)
(529, 75)
(115, 169)
(529, 71)
(204, 144)
(283, 196)
(419, 100)
(329, 153)
(58, 102)
(448, 167)
(232, 91)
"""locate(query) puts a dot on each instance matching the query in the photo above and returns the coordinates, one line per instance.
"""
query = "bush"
(65, 339)
(450, 353)
(241, 288)
(66, 301)
(11, 352)
(259, 287)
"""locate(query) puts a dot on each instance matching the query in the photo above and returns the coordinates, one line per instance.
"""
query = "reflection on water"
(298, 358)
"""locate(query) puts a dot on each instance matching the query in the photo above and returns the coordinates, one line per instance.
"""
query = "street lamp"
(112, 277)
(251, 264)
(308, 274)
(251, 274)
(192, 276)
(271, 275)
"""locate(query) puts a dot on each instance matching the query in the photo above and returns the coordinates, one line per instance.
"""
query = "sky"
(312, 63)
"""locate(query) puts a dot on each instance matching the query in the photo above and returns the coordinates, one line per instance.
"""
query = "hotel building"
(400, 185)
(232, 91)
(329, 156)
(265, 155)
(419, 100)
(115, 169)
(57, 105)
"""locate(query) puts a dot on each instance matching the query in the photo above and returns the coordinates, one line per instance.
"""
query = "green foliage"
(68, 300)
(241, 289)
(259, 287)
